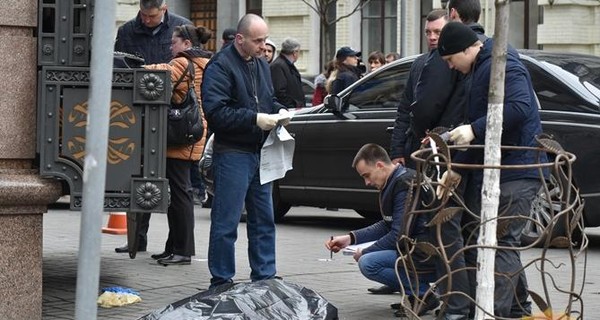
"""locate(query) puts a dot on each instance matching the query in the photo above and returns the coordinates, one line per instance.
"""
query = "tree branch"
(358, 7)
(314, 8)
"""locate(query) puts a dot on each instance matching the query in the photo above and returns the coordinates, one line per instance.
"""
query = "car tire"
(279, 208)
(371, 215)
(541, 212)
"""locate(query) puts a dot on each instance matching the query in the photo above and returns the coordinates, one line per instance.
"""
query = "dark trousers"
(510, 294)
(196, 177)
(456, 282)
(144, 222)
(180, 214)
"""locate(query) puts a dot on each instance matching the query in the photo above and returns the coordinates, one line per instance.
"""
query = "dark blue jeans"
(237, 182)
(380, 266)
(510, 294)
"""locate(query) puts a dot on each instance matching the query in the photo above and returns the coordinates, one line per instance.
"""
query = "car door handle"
(389, 129)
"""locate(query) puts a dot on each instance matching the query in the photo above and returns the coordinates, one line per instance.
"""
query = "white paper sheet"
(276, 155)
(351, 249)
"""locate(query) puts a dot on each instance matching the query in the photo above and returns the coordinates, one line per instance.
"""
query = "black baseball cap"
(344, 52)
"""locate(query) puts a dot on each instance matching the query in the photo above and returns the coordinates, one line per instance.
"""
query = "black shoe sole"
(167, 263)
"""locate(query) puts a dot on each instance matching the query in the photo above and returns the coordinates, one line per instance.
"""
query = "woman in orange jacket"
(186, 46)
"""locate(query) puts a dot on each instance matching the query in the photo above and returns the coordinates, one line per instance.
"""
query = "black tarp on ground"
(268, 299)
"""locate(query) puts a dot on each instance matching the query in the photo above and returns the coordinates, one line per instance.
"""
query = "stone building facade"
(556, 25)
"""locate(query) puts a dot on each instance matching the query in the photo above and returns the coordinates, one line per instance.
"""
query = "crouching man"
(378, 261)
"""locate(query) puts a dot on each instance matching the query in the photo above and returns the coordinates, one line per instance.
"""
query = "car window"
(553, 94)
(308, 90)
(382, 90)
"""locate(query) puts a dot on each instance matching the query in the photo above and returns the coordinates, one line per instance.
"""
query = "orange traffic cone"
(117, 223)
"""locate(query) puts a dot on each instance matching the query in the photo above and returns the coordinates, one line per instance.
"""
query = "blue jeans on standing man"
(237, 181)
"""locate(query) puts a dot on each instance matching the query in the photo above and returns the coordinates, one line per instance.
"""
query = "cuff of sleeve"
(352, 238)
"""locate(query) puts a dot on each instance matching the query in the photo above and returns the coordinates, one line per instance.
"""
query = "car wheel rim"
(543, 210)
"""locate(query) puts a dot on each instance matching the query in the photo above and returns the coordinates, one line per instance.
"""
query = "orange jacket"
(177, 66)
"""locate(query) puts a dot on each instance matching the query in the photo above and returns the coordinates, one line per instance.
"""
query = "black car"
(308, 87)
(567, 86)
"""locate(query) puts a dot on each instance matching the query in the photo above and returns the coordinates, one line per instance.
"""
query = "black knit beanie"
(455, 37)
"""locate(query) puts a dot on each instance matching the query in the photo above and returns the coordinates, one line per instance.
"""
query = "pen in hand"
(331, 249)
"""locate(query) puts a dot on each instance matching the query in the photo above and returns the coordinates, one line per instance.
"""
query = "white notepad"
(351, 250)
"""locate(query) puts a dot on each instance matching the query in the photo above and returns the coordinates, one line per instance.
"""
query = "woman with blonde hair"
(346, 69)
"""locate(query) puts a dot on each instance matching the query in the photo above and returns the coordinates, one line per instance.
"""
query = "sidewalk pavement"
(301, 259)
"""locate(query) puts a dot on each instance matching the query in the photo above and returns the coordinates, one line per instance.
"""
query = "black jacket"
(439, 100)
(135, 38)
(403, 141)
(520, 116)
(287, 83)
(233, 92)
(345, 78)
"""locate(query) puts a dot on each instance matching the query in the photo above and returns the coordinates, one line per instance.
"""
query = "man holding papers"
(377, 262)
(239, 105)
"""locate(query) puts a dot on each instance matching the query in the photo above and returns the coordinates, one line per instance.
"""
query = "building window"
(379, 26)
(254, 6)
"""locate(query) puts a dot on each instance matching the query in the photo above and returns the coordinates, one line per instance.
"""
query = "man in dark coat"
(430, 97)
(148, 36)
(460, 47)
(286, 78)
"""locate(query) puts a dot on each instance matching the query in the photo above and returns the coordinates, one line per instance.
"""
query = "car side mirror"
(334, 103)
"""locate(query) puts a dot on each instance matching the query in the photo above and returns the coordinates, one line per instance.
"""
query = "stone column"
(23, 194)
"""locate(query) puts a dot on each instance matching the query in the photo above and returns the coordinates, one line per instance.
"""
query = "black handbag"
(184, 125)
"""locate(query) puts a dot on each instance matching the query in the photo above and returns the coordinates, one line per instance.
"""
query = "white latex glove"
(284, 117)
(266, 121)
(447, 183)
(462, 135)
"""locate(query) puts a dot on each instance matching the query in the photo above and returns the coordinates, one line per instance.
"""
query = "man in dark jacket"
(240, 108)
(377, 262)
(286, 78)
(462, 50)
(440, 101)
(416, 116)
(148, 36)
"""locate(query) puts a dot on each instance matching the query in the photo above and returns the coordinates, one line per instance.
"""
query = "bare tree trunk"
(322, 8)
(326, 53)
(491, 177)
